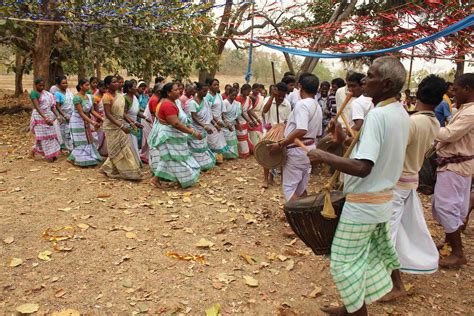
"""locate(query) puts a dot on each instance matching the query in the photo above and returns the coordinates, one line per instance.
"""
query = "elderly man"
(455, 169)
(362, 254)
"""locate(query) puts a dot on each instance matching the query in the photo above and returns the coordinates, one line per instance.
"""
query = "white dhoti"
(410, 235)
(296, 172)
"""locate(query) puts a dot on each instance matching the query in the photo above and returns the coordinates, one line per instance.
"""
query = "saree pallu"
(84, 151)
(47, 143)
(147, 127)
(133, 115)
(67, 108)
(244, 146)
(121, 162)
(176, 162)
(99, 136)
(153, 153)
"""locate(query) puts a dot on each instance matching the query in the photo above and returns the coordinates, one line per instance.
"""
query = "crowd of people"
(182, 130)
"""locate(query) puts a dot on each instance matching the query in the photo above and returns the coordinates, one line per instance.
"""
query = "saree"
(65, 101)
(176, 162)
(216, 140)
(245, 147)
(147, 127)
(142, 105)
(132, 112)
(234, 111)
(47, 142)
(84, 152)
(255, 132)
(122, 162)
(199, 148)
(99, 135)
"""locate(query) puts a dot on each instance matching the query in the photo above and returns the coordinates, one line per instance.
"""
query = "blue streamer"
(249, 65)
(453, 28)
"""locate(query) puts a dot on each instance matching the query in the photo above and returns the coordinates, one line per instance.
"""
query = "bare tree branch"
(17, 41)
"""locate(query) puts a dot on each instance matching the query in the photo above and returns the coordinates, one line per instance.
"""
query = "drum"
(427, 174)
(265, 158)
(304, 217)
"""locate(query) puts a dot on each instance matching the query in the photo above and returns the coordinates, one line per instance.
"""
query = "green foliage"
(134, 39)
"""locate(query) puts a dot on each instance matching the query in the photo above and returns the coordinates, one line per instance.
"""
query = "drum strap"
(370, 198)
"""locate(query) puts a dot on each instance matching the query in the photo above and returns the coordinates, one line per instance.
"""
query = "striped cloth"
(362, 259)
(200, 148)
(84, 151)
(201, 152)
(233, 112)
(65, 101)
(47, 143)
(175, 160)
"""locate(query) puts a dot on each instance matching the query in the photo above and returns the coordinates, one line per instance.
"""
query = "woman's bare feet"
(265, 184)
(31, 155)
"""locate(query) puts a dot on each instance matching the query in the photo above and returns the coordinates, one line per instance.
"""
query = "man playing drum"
(305, 123)
(455, 168)
(362, 254)
(276, 110)
(410, 235)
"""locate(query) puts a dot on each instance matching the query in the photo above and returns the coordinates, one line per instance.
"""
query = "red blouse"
(166, 109)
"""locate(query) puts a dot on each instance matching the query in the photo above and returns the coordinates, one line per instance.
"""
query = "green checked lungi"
(362, 259)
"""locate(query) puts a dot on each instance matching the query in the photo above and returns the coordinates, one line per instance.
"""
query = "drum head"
(327, 144)
(265, 158)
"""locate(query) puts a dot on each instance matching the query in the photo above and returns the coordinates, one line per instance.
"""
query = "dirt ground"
(113, 259)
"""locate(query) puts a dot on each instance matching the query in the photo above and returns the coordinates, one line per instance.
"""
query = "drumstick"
(346, 123)
(343, 106)
(299, 143)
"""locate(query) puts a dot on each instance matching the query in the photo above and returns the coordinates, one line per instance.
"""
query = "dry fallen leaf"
(248, 258)
(408, 287)
(15, 262)
(9, 240)
(27, 308)
(142, 307)
(60, 293)
(66, 209)
(317, 290)
(103, 195)
(67, 312)
(131, 235)
(204, 244)
(83, 226)
(290, 266)
(250, 281)
(45, 255)
(187, 199)
(214, 310)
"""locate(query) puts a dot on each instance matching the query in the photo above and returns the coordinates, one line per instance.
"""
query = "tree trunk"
(147, 73)
(42, 52)
(20, 61)
(97, 70)
(342, 11)
(459, 66)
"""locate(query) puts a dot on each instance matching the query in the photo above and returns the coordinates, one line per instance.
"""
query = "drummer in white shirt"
(361, 105)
